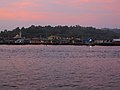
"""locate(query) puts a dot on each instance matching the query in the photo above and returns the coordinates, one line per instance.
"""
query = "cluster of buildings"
(57, 40)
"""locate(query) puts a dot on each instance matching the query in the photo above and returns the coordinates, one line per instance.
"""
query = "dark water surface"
(59, 68)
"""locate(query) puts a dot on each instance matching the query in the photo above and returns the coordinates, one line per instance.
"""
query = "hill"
(62, 31)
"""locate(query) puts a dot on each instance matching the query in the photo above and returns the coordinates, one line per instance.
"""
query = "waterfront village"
(56, 40)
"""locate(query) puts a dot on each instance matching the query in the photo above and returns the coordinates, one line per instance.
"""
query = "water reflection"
(59, 68)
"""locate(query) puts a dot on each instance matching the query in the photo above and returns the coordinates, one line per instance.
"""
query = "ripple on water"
(59, 68)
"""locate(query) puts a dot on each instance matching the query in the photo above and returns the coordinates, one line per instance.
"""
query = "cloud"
(89, 12)
(23, 4)
(22, 10)
(21, 15)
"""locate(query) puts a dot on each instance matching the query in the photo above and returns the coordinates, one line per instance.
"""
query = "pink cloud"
(21, 15)
(87, 12)
(23, 4)
(20, 11)
(76, 3)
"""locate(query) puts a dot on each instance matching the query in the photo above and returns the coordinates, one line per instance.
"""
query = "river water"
(43, 67)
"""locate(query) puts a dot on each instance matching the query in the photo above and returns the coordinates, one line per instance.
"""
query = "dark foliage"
(62, 31)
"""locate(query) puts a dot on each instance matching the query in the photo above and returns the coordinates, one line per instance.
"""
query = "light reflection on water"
(59, 68)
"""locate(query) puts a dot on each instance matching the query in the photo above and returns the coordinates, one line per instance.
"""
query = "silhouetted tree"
(62, 31)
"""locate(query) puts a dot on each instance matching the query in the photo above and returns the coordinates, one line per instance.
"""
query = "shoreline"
(100, 44)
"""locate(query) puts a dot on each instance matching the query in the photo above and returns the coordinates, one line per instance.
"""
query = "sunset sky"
(97, 13)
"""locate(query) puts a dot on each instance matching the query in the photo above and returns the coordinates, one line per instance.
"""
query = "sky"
(24, 13)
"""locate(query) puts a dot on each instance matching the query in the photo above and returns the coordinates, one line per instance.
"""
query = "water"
(59, 68)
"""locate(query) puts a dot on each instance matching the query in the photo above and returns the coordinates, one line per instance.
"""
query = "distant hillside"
(62, 31)
(115, 30)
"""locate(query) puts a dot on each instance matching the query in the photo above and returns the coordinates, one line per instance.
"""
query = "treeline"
(62, 31)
